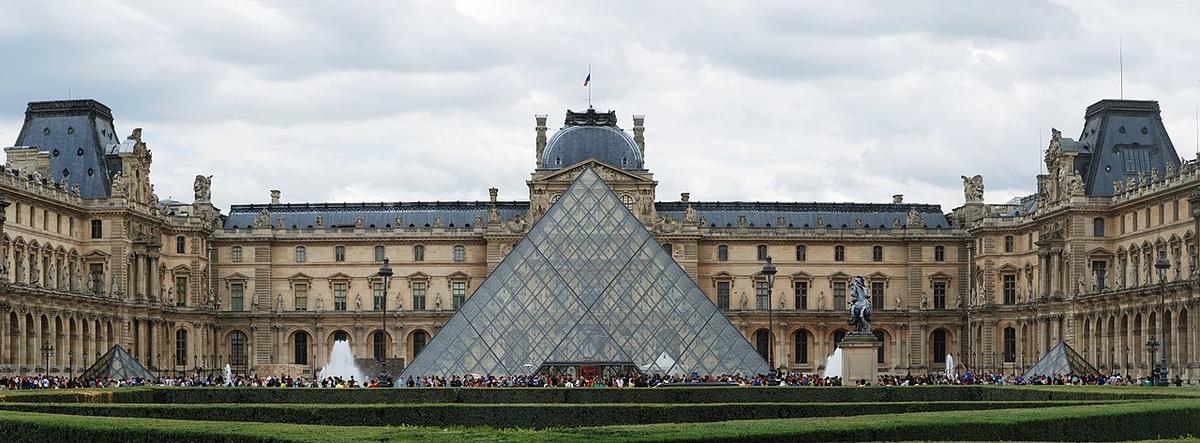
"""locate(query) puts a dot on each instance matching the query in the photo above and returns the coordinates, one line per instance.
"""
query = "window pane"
(723, 295)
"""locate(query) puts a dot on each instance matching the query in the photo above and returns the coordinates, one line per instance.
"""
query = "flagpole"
(589, 85)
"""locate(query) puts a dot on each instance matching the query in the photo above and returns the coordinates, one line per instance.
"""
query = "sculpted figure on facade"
(319, 222)
(973, 188)
(1075, 185)
(689, 216)
(263, 219)
(914, 219)
(202, 188)
(493, 215)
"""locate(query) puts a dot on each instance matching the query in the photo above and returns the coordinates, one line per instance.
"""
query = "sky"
(773, 101)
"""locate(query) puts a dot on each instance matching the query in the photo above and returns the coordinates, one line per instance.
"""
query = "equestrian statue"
(860, 308)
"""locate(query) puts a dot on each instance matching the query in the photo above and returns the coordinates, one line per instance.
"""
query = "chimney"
(639, 128)
(898, 198)
(541, 134)
(685, 196)
(492, 193)
(274, 196)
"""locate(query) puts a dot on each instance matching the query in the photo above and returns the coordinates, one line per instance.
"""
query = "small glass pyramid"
(118, 365)
(1061, 360)
(588, 284)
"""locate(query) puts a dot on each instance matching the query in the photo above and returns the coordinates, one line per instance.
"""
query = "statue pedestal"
(859, 352)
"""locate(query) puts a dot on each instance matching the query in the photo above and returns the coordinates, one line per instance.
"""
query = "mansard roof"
(761, 214)
(1113, 131)
(414, 214)
(78, 134)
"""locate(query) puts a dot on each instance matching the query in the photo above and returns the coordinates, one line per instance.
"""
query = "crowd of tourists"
(780, 378)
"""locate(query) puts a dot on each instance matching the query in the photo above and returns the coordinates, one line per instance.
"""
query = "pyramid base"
(859, 353)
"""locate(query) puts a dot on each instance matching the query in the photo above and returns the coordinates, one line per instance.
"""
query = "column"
(5, 340)
(22, 342)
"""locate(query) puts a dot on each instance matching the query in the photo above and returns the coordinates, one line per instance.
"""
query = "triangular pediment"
(604, 170)
(588, 284)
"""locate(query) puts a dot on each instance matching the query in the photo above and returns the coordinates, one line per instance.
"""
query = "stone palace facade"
(92, 257)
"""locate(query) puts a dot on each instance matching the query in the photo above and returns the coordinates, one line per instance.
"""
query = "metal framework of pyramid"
(116, 364)
(588, 284)
(1061, 360)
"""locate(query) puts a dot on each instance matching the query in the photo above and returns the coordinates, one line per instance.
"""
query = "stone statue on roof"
(202, 188)
(689, 216)
(914, 219)
(319, 222)
(973, 188)
(263, 219)
(493, 215)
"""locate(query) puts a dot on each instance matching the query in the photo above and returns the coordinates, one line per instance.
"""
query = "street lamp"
(47, 351)
(385, 273)
(1162, 265)
(70, 364)
(769, 271)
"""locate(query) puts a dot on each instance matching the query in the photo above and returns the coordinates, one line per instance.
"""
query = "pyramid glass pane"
(588, 284)
(1061, 360)
(116, 364)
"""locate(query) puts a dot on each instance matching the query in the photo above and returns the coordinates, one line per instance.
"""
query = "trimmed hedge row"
(509, 416)
(590, 396)
(1125, 421)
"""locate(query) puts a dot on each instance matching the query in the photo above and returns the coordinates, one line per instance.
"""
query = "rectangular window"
(458, 293)
(939, 295)
(181, 290)
(1098, 227)
(801, 293)
(1010, 289)
(801, 253)
(1010, 345)
(97, 231)
(237, 297)
(839, 253)
(377, 289)
(762, 299)
(939, 253)
(877, 295)
(1100, 268)
(379, 253)
(339, 296)
(339, 254)
(723, 295)
(418, 295)
(300, 295)
(96, 270)
(235, 254)
(839, 295)
(1162, 213)
(1136, 159)
(1008, 243)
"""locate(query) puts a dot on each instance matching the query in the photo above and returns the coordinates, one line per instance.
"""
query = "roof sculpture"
(588, 284)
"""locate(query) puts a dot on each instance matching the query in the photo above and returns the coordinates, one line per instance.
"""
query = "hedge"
(590, 395)
(508, 416)
(1110, 422)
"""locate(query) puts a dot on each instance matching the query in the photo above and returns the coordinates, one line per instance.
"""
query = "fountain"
(228, 375)
(950, 366)
(833, 364)
(341, 364)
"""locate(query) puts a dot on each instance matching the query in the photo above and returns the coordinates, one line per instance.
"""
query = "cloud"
(424, 100)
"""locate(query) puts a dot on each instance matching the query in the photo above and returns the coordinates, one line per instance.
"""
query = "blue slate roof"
(587, 135)
(799, 215)
(379, 215)
(1114, 132)
(462, 214)
(77, 134)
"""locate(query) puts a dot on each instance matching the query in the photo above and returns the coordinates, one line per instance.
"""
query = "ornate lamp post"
(769, 271)
(47, 351)
(1162, 265)
(385, 273)
(70, 364)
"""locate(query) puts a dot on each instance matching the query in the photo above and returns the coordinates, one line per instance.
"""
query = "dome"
(591, 135)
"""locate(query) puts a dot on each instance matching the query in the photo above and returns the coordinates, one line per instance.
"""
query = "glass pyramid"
(117, 364)
(588, 284)
(1061, 360)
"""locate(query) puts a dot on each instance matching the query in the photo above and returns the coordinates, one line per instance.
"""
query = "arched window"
(877, 253)
(939, 346)
(379, 255)
(300, 348)
(801, 341)
(801, 253)
(939, 253)
(180, 244)
(669, 248)
(1010, 345)
(301, 254)
(762, 252)
(460, 253)
(237, 350)
(181, 346)
(762, 342)
(379, 345)
(839, 253)
(339, 253)
(419, 339)
(419, 253)
(235, 254)
(837, 338)
(627, 200)
(879, 351)
(722, 253)
(341, 336)
(1098, 226)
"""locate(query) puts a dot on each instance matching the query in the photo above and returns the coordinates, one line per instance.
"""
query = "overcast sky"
(788, 101)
